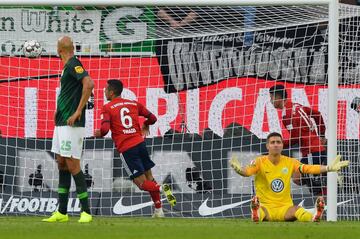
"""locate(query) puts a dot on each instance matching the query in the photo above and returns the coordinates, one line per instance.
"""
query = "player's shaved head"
(65, 44)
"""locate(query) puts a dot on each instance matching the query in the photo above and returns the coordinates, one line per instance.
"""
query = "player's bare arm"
(105, 124)
(145, 130)
(150, 119)
(97, 133)
(88, 85)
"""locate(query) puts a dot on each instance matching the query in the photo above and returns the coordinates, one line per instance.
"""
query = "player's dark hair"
(115, 86)
(273, 134)
(278, 90)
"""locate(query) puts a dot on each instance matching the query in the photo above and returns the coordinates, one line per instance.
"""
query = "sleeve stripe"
(301, 168)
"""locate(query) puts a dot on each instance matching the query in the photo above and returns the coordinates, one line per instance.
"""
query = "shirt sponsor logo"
(277, 185)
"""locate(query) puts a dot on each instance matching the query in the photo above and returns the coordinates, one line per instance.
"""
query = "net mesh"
(205, 72)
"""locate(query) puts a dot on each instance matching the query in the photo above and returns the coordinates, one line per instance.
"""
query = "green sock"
(63, 190)
(81, 191)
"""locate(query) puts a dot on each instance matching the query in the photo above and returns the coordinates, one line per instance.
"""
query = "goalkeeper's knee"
(302, 215)
(262, 214)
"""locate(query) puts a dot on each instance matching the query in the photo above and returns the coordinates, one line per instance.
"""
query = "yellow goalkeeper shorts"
(277, 214)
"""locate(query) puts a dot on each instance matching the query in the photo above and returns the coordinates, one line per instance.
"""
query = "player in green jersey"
(76, 88)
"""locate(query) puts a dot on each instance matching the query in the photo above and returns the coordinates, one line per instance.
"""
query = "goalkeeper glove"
(234, 163)
(337, 165)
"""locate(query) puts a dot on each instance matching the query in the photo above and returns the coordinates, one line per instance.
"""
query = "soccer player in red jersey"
(307, 129)
(121, 116)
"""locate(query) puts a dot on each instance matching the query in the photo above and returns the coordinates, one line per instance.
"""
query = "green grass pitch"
(172, 228)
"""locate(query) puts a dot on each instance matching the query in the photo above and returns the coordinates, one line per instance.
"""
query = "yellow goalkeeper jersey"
(272, 182)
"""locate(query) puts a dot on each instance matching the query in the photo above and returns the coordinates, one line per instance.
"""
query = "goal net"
(205, 72)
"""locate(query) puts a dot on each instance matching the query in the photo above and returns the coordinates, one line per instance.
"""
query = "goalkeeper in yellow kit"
(273, 172)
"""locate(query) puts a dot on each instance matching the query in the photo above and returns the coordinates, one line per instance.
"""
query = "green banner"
(133, 27)
(95, 30)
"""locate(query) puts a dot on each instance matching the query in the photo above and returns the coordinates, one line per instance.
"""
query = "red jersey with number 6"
(122, 117)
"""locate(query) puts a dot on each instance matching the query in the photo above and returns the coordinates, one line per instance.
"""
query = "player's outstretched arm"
(335, 166)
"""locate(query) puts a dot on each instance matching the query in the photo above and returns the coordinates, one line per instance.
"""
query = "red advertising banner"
(27, 106)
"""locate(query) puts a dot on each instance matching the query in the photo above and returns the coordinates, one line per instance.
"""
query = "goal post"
(208, 88)
(333, 66)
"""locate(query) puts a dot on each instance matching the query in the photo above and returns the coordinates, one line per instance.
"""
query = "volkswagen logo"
(277, 185)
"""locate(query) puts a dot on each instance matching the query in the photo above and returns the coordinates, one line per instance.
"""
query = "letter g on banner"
(136, 31)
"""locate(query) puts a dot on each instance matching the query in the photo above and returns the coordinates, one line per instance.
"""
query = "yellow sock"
(303, 216)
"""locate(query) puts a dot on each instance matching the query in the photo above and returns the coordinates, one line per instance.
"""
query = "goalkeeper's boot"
(85, 217)
(158, 213)
(57, 217)
(255, 209)
(320, 206)
(169, 195)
